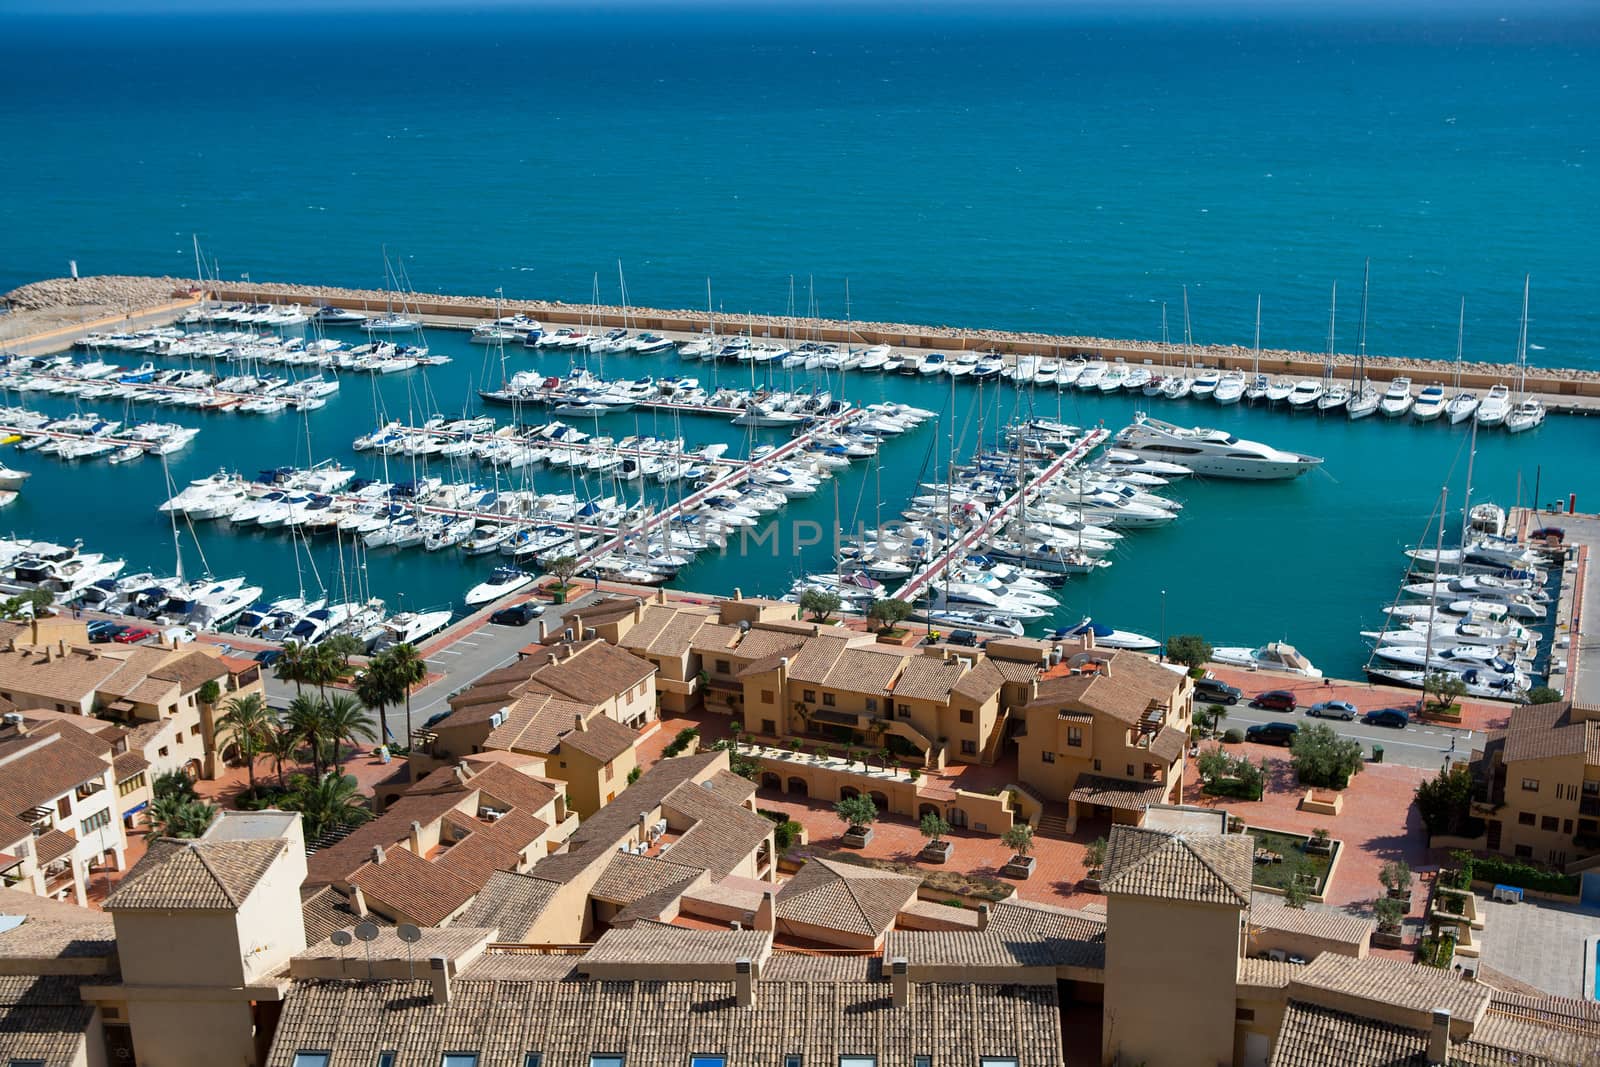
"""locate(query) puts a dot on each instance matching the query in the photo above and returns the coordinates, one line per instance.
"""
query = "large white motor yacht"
(1211, 452)
(1274, 656)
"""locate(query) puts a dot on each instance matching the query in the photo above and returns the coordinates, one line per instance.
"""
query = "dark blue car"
(1397, 718)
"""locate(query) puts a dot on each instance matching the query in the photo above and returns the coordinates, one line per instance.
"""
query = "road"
(458, 664)
(1425, 745)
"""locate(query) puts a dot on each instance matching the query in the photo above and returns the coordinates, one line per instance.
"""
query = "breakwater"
(448, 309)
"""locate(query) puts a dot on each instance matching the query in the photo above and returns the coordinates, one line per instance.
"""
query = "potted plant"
(794, 745)
(1390, 914)
(1019, 839)
(934, 827)
(858, 813)
(1094, 859)
(1321, 842)
(1396, 879)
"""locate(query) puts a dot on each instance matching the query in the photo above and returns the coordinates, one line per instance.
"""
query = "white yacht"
(1429, 404)
(1306, 393)
(1275, 656)
(11, 480)
(409, 627)
(504, 580)
(1526, 415)
(1211, 452)
(1397, 400)
(1461, 407)
(1363, 401)
(1107, 637)
(1495, 407)
(1230, 389)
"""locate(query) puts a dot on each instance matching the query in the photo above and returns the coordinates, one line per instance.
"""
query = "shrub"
(1390, 913)
(1445, 801)
(633, 775)
(933, 826)
(785, 834)
(1321, 757)
(1094, 854)
(1191, 650)
(1018, 838)
(1395, 876)
(857, 812)
(1233, 737)
(680, 741)
(1509, 872)
(1543, 694)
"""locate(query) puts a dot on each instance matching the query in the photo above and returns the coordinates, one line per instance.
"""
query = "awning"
(137, 808)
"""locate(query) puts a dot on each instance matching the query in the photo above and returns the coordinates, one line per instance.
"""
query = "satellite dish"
(408, 933)
(341, 938)
(366, 930)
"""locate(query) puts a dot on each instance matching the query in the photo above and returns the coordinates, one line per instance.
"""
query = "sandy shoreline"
(52, 303)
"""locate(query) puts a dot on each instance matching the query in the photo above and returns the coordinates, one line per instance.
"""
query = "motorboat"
(1215, 453)
(1206, 384)
(1274, 656)
(1429, 404)
(1496, 405)
(409, 627)
(1107, 637)
(1334, 397)
(1230, 390)
(1278, 390)
(1397, 399)
(1481, 684)
(1461, 407)
(504, 580)
(977, 621)
(1526, 416)
(1457, 660)
(1307, 392)
(11, 480)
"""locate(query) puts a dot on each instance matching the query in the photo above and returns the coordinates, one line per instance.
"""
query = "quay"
(207, 398)
(564, 446)
(1026, 494)
(63, 435)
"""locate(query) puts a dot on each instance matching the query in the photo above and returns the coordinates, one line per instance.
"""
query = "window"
(163, 750)
(1130, 770)
(997, 1061)
(136, 782)
(722, 667)
(388, 1058)
(1591, 788)
(533, 1059)
(858, 1061)
(769, 727)
(1097, 765)
(609, 772)
(969, 748)
(459, 1059)
(766, 696)
(699, 1060)
(1074, 737)
(64, 806)
(95, 821)
(794, 1059)
(606, 1059)
(26, 1063)
(922, 1061)
(1549, 822)
(1524, 852)
(1525, 818)
(827, 700)
(308, 1059)
(966, 714)
(1048, 757)
(808, 695)
(1245, 1015)
(1530, 785)
(194, 731)
(872, 703)
(1566, 826)
(903, 710)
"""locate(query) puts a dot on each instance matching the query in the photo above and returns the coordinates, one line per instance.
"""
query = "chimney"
(439, 974)
(578, 723)
(899, 982)
(358, 901)
(766, 912)
(738, 594)
(62, 646)
(744, 982)
(1439, 1037)
(638, 610)
(414, 838)
(983, 916)
(644, 826)
(460, 771)
(377, 853)
(47, 654)
(661, 594)
(544, 631)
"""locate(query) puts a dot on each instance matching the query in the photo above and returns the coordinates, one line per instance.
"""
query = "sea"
(1071, 170)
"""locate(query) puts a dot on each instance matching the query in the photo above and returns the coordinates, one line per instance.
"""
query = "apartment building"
(1538, 786)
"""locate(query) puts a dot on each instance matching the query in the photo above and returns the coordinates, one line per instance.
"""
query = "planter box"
(1019, 867)
(1322, 802)
(1389, 938)
(936, 851)
(900, 638)
(1091, 882)
(1324, 848)
(856, 838)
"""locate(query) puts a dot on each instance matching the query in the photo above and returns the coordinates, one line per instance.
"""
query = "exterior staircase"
(1053, 822)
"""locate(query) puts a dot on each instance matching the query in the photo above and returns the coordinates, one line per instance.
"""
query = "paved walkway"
(1538, 943)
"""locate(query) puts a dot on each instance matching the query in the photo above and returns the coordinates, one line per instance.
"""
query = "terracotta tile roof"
(928, 678)
(191, 670)
(516, 829)
(607, 609)
(1313, 920)
(784, 966)
(203, 875)
(1025, 936)
(1266, 974)
(590, 672)
(451, 942)
(655, 943)
(983, 681)
(1204, 869)
(866, 670)
(759, 643)
(679, 634)
(45, 1018)
(628, 877)
(812, 1015)
(326, 910)
(1117, 793)
(1168, 744)
(336, 862)
(1013, 671)
(477, 856)
(602, 739)
(534, 723)
(1317, 1037)
(816, 657)
(41, 765)
(842, 896)
(128, 764)
(652, 620)
(716, 639)
(52, 929)
(1404, 985)
(731, 787)
(134, 671)
(1545, 731)
(1126, 684)
(13, 830)
(404, 886)
(71, 678)
(1553, 1034)
(507, 786)
(511, 902)
(52, 845)
(522, 967)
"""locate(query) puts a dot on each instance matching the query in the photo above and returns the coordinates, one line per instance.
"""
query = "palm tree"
(284, 744)
(305, 719)
(375, 687)
(332, 801)
(344, 719)
(324, 664)
(292, 662)
(176, 816)
(248, 723)
(408, 669)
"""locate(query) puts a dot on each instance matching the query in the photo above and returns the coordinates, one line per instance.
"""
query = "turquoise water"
(1000, 168)
(1311, 560)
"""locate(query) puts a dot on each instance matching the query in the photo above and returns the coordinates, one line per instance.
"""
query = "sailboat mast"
(1359, 379)
(1461, 328)
(1438, 554)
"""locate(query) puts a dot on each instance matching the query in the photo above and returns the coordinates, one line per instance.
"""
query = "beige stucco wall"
(183, 1032)
(1555, 846)
(1171, 974)
(188, 948)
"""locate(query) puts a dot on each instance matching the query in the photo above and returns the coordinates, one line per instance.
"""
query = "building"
(1538, 786)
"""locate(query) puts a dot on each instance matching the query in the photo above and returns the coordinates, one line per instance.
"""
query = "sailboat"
(1334, 394)
(1463, 405)
(1180, 385)
(1364, 397)
(1529, 411)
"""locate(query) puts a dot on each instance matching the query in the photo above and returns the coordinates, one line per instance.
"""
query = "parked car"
(1398, 718)
(518, 614)
(1272, 733)
(132, 635)
(268, 656)
(962, 637)
(1275, 700)
(1333, 709)
(103, 630)
(1216, 691)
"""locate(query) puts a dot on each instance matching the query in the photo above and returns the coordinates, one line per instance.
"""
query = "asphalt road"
(1425, 745)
